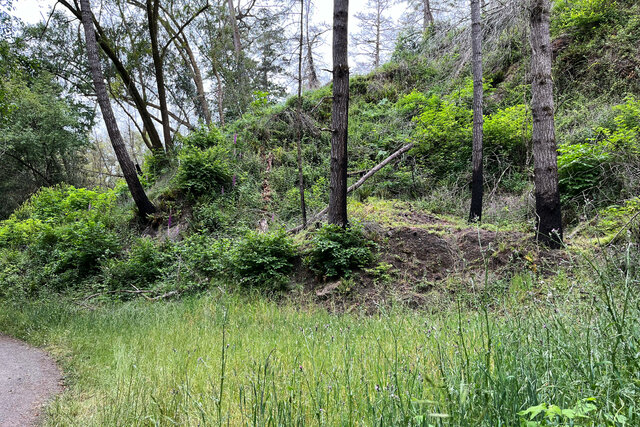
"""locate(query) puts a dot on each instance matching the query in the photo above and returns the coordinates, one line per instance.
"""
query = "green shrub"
(264, 260)
(581, 169)
(203, 138)
(443, 136)
(65, 233)
(581, 15)
(142, 266)
(205, 256)
(606, 166)
(204, 171)
(65, 203)
(336, 251)
(506, 135)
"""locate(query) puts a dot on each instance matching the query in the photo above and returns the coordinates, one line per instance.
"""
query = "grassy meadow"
(233, 359)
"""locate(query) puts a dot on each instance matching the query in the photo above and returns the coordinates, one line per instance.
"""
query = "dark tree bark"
(475, 213)
(427, 18)
(153, 19)
(128, 169)
(340, 115)
(303, 206)
(545, 155)
(128, 81)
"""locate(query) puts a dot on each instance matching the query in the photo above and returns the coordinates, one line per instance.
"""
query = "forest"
(306, 212)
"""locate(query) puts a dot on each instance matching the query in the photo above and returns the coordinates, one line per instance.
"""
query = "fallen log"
(358, 184)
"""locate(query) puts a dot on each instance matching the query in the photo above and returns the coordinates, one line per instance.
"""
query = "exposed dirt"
(423, 258)
(28, 379)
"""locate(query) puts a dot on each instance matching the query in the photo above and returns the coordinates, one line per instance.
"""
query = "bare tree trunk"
(303, 206)
(153, 17)
(545, 155)
(128, 169)
(427, 18)
(376, 60)
(220, 95)
(197, 78)
(340, 115)
(313, 81)
(182, 43)
(237, 45)
(475, 213)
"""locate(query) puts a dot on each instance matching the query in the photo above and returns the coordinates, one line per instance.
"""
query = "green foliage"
(443, 132)
(581, 169)
(42, 137)
(206, 256)
(142, 266)
(337, 251)
(204, 171)
(65, 233)
(581, 15)
(553, 415)
(612, 219)
(507, 133)
(263, 260)
(605, 166)
(203, 138)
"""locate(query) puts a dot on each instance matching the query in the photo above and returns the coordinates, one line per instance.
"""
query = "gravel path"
(28, 378)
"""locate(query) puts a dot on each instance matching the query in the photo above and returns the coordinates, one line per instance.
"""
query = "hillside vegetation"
(214, 313)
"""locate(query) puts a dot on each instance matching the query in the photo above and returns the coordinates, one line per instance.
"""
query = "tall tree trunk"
(153, 18)
(128, 81)
(376, 61)
(427, 15)
(197, 78)
(182, 43)
(545, 155)
(303, 206)
(475, 213)
(220, 95)
(340, 115)
(128, 169)
(237, 45)
(313, 82)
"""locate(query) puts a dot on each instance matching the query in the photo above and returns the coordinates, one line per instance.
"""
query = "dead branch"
(359, 183)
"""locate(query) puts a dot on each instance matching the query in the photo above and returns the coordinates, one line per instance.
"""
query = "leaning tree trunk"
(545, 155)
(128, 169)
(339, 116)
(475, 213)
(128, 81)
(153, 18)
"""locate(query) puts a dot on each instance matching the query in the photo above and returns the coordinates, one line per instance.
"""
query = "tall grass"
(233, 360)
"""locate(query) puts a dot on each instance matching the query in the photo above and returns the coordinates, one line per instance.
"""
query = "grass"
(241, 360)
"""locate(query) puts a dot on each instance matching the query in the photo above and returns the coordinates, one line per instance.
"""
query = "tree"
(475, 213)
(145, 207)
(545, 155)
(42, 138)
(303, 207)
(377, 34)
(420, 14)
(313, 36)
(340, 115)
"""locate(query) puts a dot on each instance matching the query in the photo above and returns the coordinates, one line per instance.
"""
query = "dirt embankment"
(422, 258)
